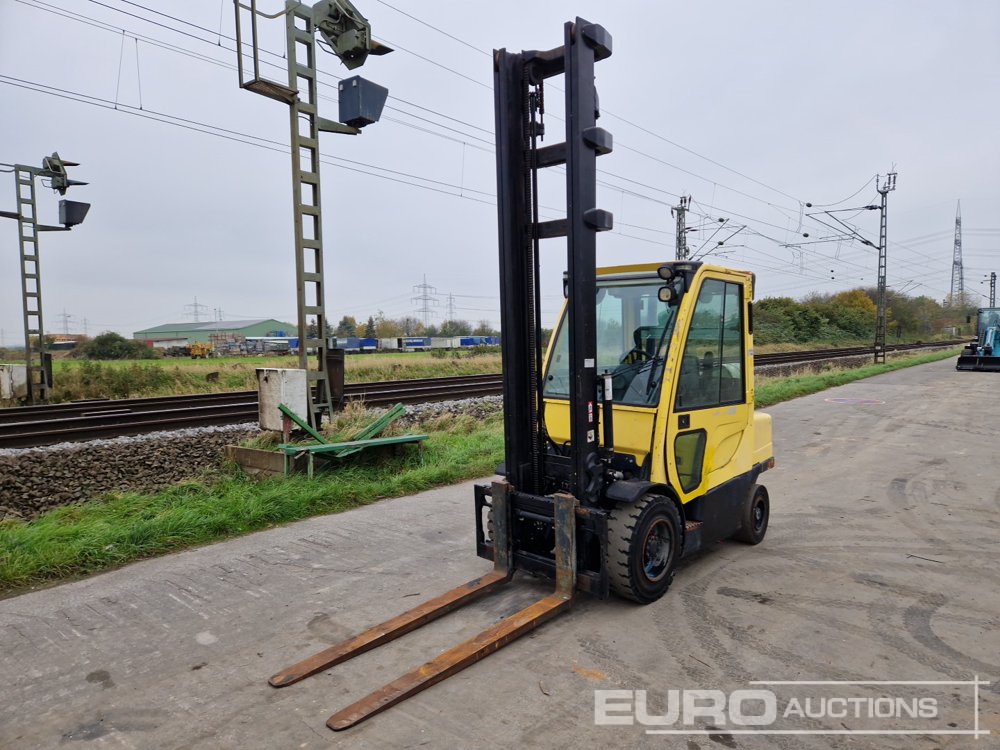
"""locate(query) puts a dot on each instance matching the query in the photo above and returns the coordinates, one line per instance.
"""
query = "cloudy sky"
(753, 109)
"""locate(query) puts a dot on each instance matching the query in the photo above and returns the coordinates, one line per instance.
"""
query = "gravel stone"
(480, 407)
(35, 480)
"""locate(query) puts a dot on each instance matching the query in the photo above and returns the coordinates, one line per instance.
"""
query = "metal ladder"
(31, 288)
(880, 321)
(306, 202)
(305, 127)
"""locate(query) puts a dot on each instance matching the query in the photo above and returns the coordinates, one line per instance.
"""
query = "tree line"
(847, 316)
(851, 316)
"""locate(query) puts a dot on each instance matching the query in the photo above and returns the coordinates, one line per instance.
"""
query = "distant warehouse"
(213, 332)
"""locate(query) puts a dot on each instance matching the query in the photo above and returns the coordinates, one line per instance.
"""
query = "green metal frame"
(331, 451)
(302, 423)
(335, 451)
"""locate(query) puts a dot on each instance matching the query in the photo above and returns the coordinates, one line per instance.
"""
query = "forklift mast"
(530, 527)
(519, 97)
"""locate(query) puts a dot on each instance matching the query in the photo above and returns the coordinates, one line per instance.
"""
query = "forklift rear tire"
(756, 514)
(644, 545)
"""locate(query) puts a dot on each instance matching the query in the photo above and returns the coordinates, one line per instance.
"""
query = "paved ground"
(880, 564)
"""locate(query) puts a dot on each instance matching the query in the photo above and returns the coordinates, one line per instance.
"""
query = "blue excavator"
(984, 352)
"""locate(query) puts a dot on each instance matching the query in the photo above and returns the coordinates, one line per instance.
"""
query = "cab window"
(712, 363)
(633, 333)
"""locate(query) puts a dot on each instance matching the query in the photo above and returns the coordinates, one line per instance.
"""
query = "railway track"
(31, 426)
(781, 358)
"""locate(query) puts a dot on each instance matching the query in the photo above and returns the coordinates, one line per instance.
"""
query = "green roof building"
(182, 334)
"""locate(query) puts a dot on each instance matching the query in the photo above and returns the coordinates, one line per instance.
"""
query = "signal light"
(56, 168)
(347, 32)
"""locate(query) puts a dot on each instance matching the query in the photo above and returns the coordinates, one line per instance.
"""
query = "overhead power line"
(403, 177)
(471, 46)
(272, 145)
(479, 83)
(111, 28)
(627, 121)
(239, 137)
(277, 56)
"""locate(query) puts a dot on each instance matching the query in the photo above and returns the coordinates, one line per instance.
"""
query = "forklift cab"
(681, 374)
(680, 447)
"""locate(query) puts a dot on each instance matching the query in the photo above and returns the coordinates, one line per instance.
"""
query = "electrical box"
(335, 375)
(361, 101)
(72, 213)
(13, 382)
(281, 386)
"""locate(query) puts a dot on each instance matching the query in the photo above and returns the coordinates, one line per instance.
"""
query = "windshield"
(633, 334)
(988, 316)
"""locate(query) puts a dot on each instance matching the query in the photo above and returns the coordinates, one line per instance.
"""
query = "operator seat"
(689, 383)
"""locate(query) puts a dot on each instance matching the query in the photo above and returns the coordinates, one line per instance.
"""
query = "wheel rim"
(656, 550)
(759, 515)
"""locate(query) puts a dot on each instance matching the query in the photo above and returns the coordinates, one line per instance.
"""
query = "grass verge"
(125, 527)
(83, 379)
(122, 528)
(773, 390)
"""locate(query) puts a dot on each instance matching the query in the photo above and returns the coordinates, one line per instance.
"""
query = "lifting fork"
(463, 655)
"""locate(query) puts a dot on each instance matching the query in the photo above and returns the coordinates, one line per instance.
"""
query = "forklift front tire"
(756, 514)
(644, 545)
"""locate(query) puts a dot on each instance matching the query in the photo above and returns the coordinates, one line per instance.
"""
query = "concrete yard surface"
(880, 565)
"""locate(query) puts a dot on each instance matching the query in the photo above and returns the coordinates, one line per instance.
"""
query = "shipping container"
(414, 343)
(350, 344)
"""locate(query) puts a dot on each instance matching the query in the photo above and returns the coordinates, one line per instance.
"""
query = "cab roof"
(642, 269)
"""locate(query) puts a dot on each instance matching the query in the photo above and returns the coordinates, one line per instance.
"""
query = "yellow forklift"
(634, 440)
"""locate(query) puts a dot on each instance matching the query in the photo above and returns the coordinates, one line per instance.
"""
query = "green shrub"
(111, 345)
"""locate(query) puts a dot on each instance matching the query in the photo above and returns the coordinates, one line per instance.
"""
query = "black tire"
(756, 514)
(644, 545)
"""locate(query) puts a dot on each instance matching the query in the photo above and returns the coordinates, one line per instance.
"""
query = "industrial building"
(211, 332)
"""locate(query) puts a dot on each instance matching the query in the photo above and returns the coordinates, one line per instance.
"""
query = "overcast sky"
(753, 108)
